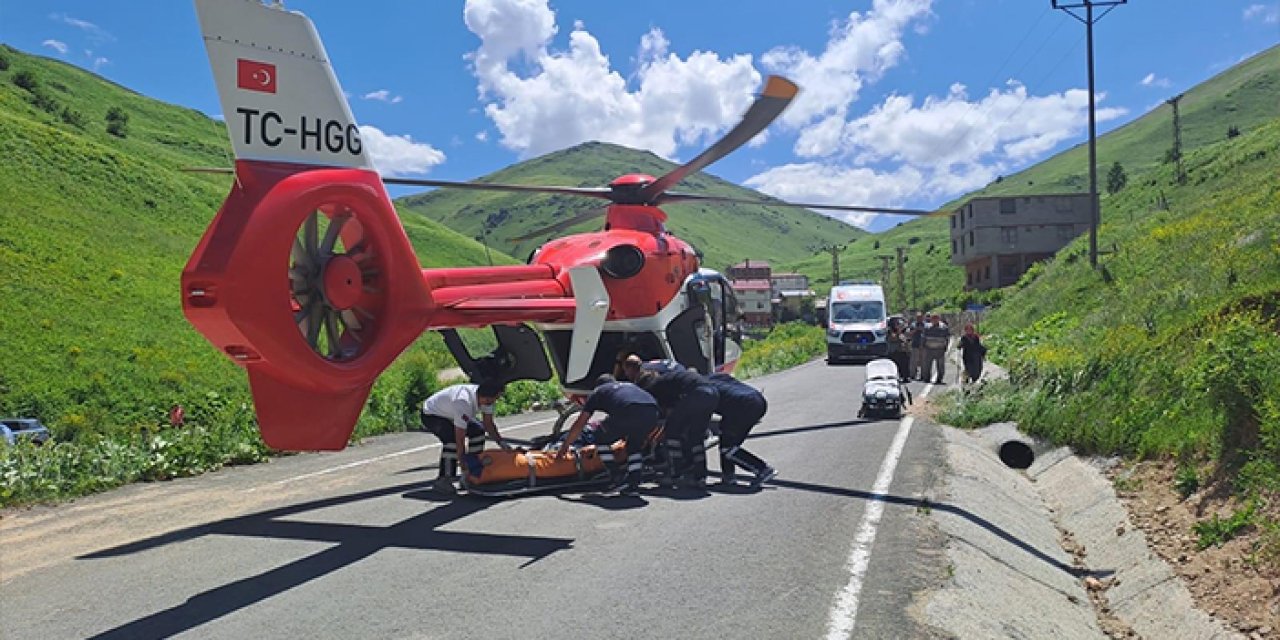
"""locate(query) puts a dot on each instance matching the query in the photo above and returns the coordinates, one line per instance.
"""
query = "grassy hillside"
(1171, 349)
(725, 233)
(1243, 96)
(1173, 346)
(96, 230)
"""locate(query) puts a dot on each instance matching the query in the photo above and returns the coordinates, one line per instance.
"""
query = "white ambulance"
(857, 322)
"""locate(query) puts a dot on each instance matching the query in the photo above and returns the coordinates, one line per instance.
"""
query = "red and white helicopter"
(306, 277)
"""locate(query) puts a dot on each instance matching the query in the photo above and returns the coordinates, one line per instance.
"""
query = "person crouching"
(689, 400)
(460, 416)
(633, 415)
(741, 407)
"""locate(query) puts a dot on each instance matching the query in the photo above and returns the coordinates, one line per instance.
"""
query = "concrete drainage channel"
(1048, 552)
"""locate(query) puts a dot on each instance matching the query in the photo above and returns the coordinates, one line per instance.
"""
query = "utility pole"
(834, 250)
(1089, 20)
(902, 278)
(1177, 140)
(884, 269)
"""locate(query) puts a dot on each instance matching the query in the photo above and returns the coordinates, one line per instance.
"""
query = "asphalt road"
(353, 545)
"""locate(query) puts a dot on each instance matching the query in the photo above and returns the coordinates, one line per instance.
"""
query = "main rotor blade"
(778, 93)
(672, 198)
(561, 225)
(589, 192)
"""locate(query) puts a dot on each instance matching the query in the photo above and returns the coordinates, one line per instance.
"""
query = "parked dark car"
(14, 429)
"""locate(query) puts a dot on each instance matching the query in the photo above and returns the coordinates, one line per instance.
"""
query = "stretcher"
(518, 472)
(512, 472)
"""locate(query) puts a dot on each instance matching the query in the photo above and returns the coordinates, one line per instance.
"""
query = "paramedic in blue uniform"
(460, 416)
(689, 400)
(633, 415)
(741, 407)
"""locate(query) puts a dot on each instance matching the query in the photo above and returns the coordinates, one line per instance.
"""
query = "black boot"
(728, 471)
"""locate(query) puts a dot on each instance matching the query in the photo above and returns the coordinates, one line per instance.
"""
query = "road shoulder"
(1048, 552)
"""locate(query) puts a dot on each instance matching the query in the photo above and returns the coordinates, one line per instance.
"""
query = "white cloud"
(395, 155)
(859, 49)
(813, 182)
(99, 62)
(566, 97)
(1006, 125)
(56, 45)
(1267, 14)
(482, 136)
(938, 149)
(1150, 80)
(383, 95)
(95, 33)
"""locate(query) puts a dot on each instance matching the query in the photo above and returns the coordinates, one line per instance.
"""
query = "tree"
(1116, 178)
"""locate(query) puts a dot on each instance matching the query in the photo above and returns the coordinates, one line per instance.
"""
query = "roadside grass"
(786, 345)
(979, 405)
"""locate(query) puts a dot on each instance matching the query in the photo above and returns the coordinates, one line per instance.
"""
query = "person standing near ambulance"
(937, 337)
(460, 416)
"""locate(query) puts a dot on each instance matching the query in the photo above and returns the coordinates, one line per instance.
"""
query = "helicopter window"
(717, 303)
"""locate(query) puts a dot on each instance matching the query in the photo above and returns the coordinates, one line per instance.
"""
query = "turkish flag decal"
(255, 76)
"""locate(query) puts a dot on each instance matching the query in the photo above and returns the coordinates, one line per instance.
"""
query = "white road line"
(388, 456)
(844, 612)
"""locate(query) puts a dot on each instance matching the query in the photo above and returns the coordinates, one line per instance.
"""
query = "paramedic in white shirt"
(460, 416)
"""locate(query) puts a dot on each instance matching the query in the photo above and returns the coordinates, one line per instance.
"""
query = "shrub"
(117, 122)
(72, 117)
(26, 80)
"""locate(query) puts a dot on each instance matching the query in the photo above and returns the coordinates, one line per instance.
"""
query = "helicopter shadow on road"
(922, 504)
(351, 544)
(807, 428)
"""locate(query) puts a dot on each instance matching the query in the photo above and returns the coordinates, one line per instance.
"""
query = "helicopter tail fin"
(279, 95)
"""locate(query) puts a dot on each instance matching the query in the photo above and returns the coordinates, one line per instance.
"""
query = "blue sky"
(903, 103)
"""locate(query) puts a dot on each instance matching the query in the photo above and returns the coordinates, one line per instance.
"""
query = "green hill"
(725, 233)
(96, 230)
(1243, 97)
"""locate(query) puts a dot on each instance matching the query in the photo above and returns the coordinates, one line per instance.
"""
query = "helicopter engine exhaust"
(622, 261)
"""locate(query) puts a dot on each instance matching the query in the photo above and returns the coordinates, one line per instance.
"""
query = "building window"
(971, 238)
(1009, 235)
(968, 278)
(953, 220)
(1008, 205)
(986, 273)
(953, 248)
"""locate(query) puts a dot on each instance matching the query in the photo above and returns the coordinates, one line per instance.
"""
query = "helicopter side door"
(690, 334)
(726, 329)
